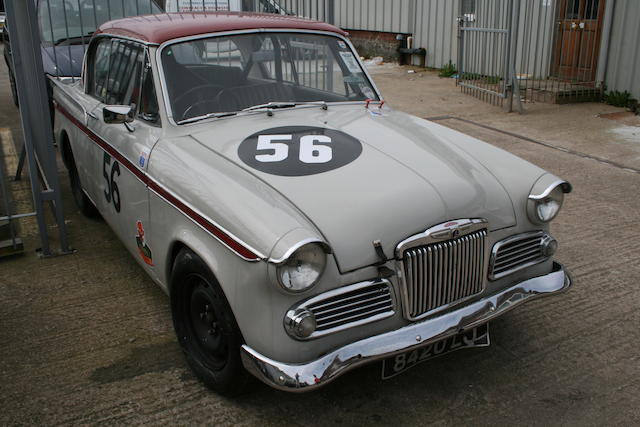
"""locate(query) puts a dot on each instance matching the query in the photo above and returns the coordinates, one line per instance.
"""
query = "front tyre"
(205, 326)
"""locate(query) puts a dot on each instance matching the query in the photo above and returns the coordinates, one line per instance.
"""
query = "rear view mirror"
(117, 114)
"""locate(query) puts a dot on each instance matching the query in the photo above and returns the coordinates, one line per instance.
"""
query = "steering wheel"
(202, 95)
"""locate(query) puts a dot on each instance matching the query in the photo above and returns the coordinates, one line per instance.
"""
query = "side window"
(123, 84)
(148, 100)
(99, 71)
(115, 73)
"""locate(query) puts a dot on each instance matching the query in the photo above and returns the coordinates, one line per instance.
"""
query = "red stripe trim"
(225, 238)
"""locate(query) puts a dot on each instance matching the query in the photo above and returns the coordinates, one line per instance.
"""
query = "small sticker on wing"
(144, 156)
(143, 248)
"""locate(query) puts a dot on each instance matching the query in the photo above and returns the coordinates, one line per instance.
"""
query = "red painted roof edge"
(157, 29)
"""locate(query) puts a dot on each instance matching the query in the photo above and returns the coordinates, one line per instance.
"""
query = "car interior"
(248, 78)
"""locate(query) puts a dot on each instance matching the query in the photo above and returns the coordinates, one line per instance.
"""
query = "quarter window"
(100, 71)
(148, 100)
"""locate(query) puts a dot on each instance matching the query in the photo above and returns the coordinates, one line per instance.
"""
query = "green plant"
(448, 70)
(492, 80)
(618, 99)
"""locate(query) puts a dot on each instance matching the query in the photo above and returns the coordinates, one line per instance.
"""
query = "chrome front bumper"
(309, 376)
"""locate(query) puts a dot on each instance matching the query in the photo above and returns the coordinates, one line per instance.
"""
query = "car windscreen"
(235, 72)
(69, 22)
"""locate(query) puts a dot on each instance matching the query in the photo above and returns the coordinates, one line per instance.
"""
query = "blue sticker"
(142, 160)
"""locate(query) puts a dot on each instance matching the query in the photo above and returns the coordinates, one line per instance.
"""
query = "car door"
(121, 156)
(78, 103)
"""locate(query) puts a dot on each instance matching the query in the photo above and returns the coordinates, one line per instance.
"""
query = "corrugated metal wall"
(436, 30)
(434, 27)
(623, 61)
(432, 22)
(391, 16)
(535, 38)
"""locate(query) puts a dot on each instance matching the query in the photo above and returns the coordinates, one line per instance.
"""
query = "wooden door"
(577, 45)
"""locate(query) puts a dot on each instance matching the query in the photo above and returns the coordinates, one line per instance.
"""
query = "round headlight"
(546, 208)
(302, 269)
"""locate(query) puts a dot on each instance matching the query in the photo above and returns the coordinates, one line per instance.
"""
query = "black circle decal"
(299, 150)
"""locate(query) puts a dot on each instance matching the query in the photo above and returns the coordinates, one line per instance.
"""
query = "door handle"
(93, 116)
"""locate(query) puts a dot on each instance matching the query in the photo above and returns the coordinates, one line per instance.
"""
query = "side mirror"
(117, 114)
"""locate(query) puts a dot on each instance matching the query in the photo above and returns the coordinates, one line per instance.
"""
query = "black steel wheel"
(205, 326)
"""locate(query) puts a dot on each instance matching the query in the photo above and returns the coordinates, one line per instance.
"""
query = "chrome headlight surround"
(546, 199)
(301, 267)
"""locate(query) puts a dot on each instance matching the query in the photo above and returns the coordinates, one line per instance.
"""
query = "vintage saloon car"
(300, 226)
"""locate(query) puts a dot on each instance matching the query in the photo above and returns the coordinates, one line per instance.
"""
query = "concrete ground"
(87, 338)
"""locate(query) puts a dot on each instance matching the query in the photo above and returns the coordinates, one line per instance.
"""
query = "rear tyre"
(87, 208)
(205, 326)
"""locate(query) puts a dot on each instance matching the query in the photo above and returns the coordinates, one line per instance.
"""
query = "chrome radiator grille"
(516, 253)
(439, 274)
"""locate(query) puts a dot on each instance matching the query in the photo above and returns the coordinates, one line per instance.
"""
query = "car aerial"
(65, 28)
(301, 226)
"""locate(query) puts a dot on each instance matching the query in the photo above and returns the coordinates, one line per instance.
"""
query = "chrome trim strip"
(165, 93)
(566, 188)
(306, 304)
(157, 188)
(517, 237)
(444, 231)
(260, 256)
(301, 377)
(298, 245)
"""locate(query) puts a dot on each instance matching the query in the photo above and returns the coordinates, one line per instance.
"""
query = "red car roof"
(158, 29)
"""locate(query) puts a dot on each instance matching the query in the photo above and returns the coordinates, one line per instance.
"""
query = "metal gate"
(485, 49)
(528, 51)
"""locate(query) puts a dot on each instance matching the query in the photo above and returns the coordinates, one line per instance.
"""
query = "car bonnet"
(390, 175)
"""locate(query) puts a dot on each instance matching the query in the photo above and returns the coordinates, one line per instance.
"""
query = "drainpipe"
(605, 44)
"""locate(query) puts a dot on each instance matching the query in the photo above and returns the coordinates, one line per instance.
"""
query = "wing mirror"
(117, 114)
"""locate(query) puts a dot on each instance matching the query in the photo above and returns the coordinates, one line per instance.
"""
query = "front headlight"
(302, 269)
(544, 206)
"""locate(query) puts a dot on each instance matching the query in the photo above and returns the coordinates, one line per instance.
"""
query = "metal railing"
(528, 51)
(47, 39)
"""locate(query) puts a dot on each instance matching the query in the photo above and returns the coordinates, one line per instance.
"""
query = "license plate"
(395, 365)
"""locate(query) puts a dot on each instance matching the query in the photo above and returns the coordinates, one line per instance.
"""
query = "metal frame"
(476, 71)
(39, 145)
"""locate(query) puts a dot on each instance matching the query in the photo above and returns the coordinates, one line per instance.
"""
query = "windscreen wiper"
(274, 105)
(206, 116)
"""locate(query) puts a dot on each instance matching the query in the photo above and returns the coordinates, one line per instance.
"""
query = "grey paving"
(87, 338)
